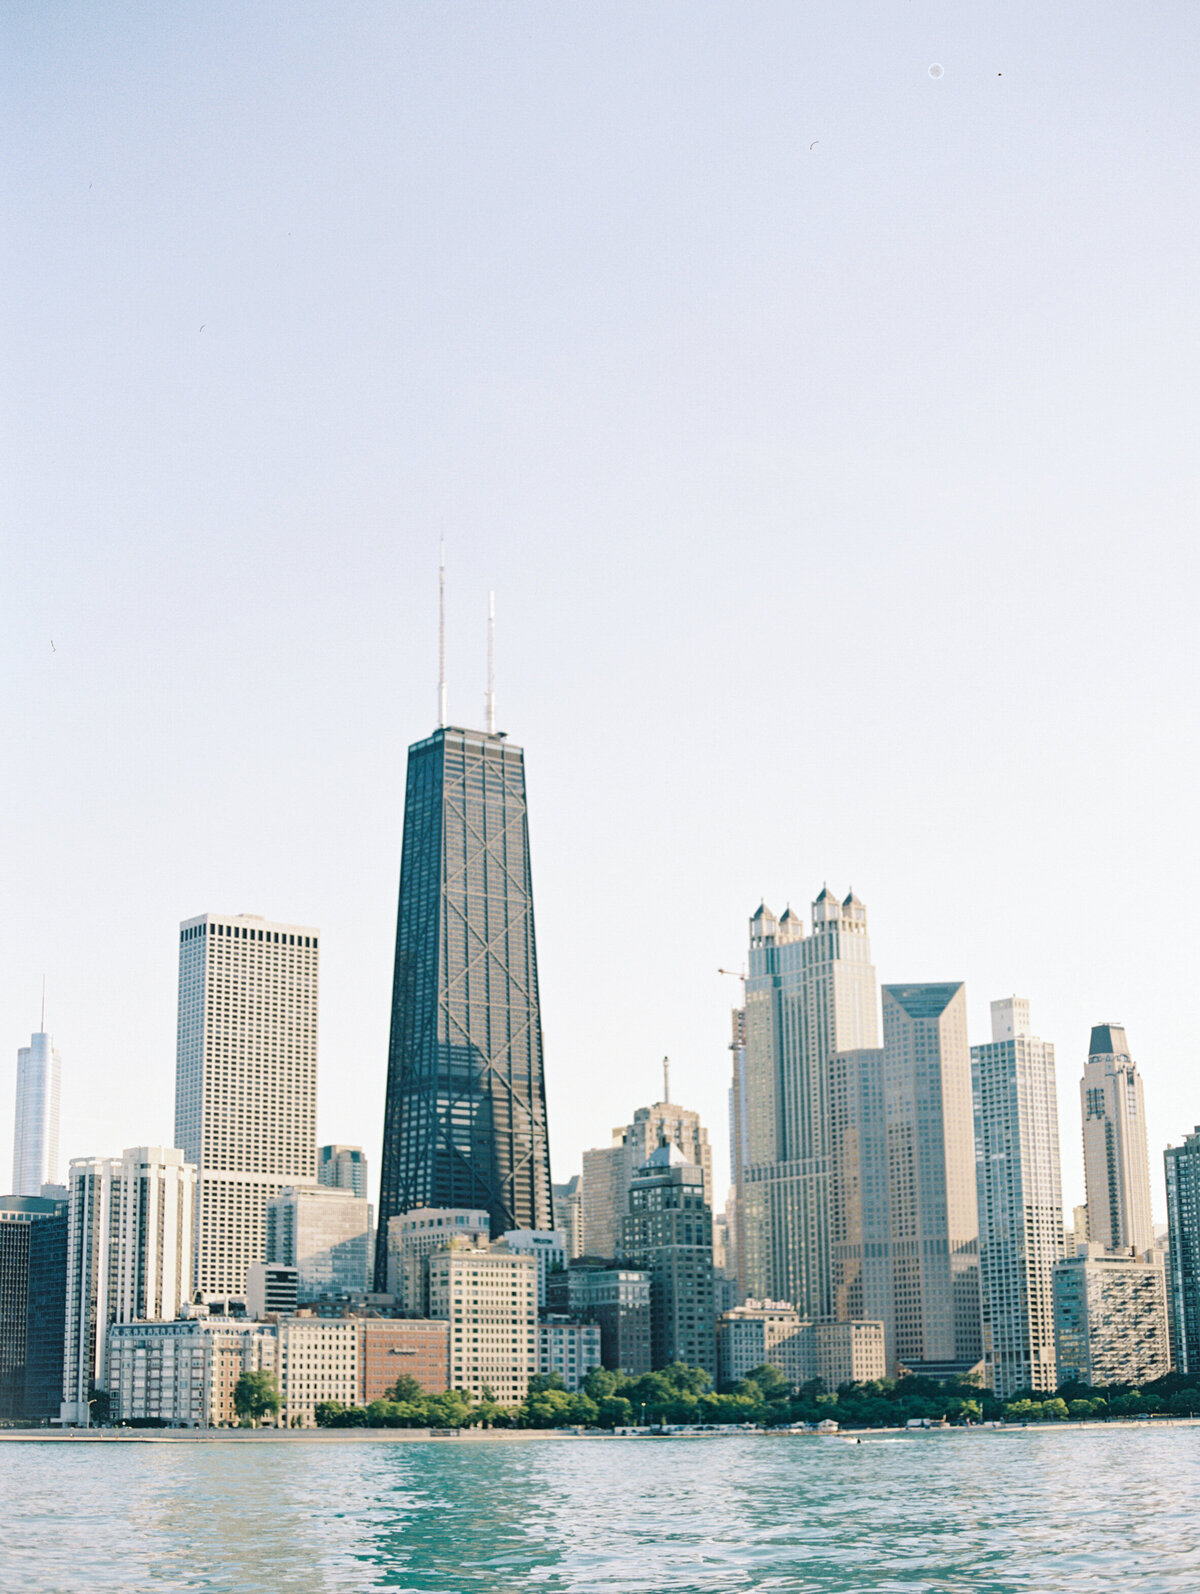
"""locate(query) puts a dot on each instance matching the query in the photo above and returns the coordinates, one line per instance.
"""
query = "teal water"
(985, 1512)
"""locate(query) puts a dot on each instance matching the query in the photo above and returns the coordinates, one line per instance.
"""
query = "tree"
(406, 1389)
(599, 1382)
(254, 1395)
(540, 1382)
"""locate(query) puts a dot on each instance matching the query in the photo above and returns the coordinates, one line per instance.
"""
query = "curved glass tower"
(465, 1113)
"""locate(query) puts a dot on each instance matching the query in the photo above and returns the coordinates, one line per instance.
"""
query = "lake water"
(987, 1513)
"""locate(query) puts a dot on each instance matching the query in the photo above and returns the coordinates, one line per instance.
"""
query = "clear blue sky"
(826, 429)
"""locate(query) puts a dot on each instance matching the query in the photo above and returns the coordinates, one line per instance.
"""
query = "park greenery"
(683, 1395)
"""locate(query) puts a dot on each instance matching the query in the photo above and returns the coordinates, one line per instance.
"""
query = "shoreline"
(203, 1436)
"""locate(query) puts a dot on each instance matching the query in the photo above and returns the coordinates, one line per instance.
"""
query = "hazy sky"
(826, 428)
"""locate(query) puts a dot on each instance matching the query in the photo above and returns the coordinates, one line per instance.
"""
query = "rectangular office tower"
(1019, 1194)
(1116, 1162)
(465, 1111)
(933, 1222)
(246, 1080)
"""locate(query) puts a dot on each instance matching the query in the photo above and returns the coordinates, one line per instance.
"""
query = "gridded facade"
(608, 1171)
(548, 1249)
(465, 1112)
(324, 1233)
(412, 1239)
(343, 1168)
(933, 1216)
(568, 1213)
(859, 1214)
(1110, 1318)
(184, 1374)
(1019, 1195)
(318, 1361)
(402, 1347)
(617, 1300)
(807, 999)
(489, 1298)
(668, 1232)
(569, 1349)
(35, 1129)
(129, 1256)
(246, 1080)
(1183, 1257)
(771, 1333)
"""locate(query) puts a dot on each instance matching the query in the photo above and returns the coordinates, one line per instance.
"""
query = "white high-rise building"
(1019, 1195)
(325, 1234)
(1116, 1163)
(246, 1080)
(35, 1136)
(490, 1299)
(412, 1239)
(343, 1168)
(129, 1256)
(548, 1246)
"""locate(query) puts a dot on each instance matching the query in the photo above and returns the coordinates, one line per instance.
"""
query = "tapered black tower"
(465, 1115)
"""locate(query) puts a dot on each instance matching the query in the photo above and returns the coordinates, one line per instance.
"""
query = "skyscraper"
(33, 1286)
(1183, 1257)
(35, 1135)
(1116, 1163)
(129, 1256)
(933, 1222)
(807, 998)
(608, 1171)
(343, 1168)
(1019, 1196)
(668, 1232)
(325, 1235)
(246, 1080)
(465, 1110)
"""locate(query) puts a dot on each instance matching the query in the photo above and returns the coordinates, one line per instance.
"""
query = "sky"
(824, 425)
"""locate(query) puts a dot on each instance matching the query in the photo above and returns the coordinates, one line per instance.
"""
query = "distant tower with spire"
(35, 1134)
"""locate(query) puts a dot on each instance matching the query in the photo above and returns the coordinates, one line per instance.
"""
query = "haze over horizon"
(825, 428)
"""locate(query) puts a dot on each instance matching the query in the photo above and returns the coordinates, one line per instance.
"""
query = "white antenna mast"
(442, 633)
(666, 1079)
(489, 701)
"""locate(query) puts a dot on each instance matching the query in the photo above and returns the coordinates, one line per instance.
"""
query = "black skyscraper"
(465, 1115)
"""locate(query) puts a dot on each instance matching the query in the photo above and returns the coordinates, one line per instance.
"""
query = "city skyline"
(681, 401)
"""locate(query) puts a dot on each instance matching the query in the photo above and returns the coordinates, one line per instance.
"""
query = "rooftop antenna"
(489, 701)
(42, 1031)
(442, 633)
(666, 1079)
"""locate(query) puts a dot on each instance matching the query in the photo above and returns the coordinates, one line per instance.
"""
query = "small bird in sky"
(53, 649)
(814, 143)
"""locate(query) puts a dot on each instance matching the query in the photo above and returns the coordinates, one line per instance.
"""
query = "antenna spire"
(442, 633)
(666, 1079)
(42, 1031)
(489, 701)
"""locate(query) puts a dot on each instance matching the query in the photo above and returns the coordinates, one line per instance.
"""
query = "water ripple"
(1038, 1512)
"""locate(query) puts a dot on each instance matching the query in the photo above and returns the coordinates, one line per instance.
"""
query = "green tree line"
(682, 1394)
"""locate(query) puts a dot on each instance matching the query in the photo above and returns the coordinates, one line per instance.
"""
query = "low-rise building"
(396, 1347)
(569, 1348)
(489, 1298)
(773, 1334)
(184, 1373)
(1110, 1317)
(318, 1362)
